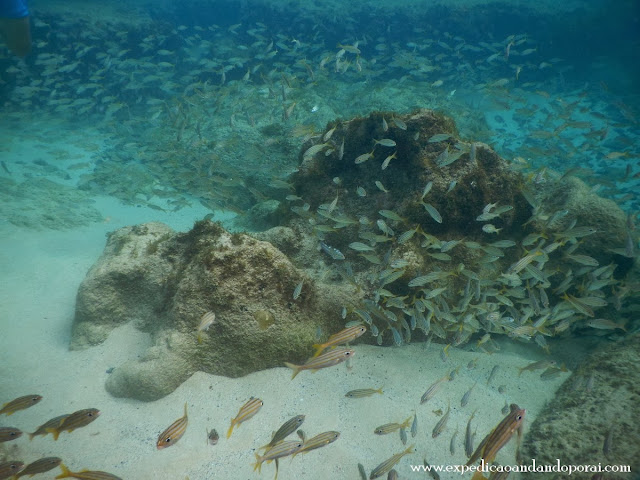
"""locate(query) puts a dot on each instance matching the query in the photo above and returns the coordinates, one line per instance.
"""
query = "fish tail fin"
(478, 476)
(199, 337)
(319, 348)
(380, 390)
(295, 368)
(53, 431)
(258, 464)
(66, 473)
(230, 431)
(520, 370)
(31, 435)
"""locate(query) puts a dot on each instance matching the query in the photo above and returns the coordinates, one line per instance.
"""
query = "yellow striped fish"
(499, 436)
(39, 466)
(388, 464)
(10, 468)
(392, 427)
(9, 433)
(318, 441)
(174, 432)
(44, 429)
(345, 336)
(247, 411)
(285, 430)
(19, 403)
(85, 474)
(205, 322)
(281, 450)
(77, 419)
(325, 360)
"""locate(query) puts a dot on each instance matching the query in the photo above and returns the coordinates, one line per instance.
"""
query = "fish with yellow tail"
(280, 450)
(19, 403)
(86, 474)
(39, 466)
(499, 437)
(325, 360)
(174, 432)
(247, 411)
(205, 322)
(320, 440)
(78, 419)
(388, 464)
(344, 336)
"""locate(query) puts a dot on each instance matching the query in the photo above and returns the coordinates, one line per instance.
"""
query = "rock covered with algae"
(593, 418)
(164, 282)
(447, 239)
(398, 224)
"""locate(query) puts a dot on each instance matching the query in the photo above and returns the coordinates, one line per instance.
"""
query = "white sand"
(39, 276)
(41, 272)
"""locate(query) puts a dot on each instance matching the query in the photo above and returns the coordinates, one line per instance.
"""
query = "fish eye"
(13, 434)
(167, 440)
(519, 417)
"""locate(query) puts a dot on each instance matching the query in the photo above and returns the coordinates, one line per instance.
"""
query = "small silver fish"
(465, 397)
(298, 290)
(437, 430)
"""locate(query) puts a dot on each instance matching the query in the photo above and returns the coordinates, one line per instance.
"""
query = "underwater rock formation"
(593, 417)
(446, 238)
(165, 281)
(399, 225)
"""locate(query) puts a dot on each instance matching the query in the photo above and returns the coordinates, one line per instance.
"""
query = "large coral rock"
(165, 281)
(600, 399)
(584, 207)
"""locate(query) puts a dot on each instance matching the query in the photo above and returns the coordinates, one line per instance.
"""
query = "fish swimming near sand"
(388, 464)
(78, 419)
(325, 360)
(10, 468)
(174, 432)
(499, 436)
(86, 474)
(285, 430)
(347, 335)
(283, 449)
(320, 440)
(39, 466)
(44, 429)
(9, 433)
(247, 411)
(19, 403)
(363, 392)
(212, 437)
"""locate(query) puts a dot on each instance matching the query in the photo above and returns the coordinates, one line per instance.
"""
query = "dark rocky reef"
(593, 417)
(379, 241)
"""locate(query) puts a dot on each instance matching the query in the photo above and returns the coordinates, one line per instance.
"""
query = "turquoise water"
(176, 113)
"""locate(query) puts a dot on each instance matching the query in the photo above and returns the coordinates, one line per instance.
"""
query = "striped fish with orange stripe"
(174, 432)
(499, 437)
(344, 336)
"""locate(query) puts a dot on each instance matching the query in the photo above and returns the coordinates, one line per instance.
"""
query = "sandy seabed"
(41, 272)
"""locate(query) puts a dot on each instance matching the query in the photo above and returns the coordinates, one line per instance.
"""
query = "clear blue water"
(199, 108)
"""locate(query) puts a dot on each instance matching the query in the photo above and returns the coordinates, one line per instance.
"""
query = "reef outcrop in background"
(393, 222)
